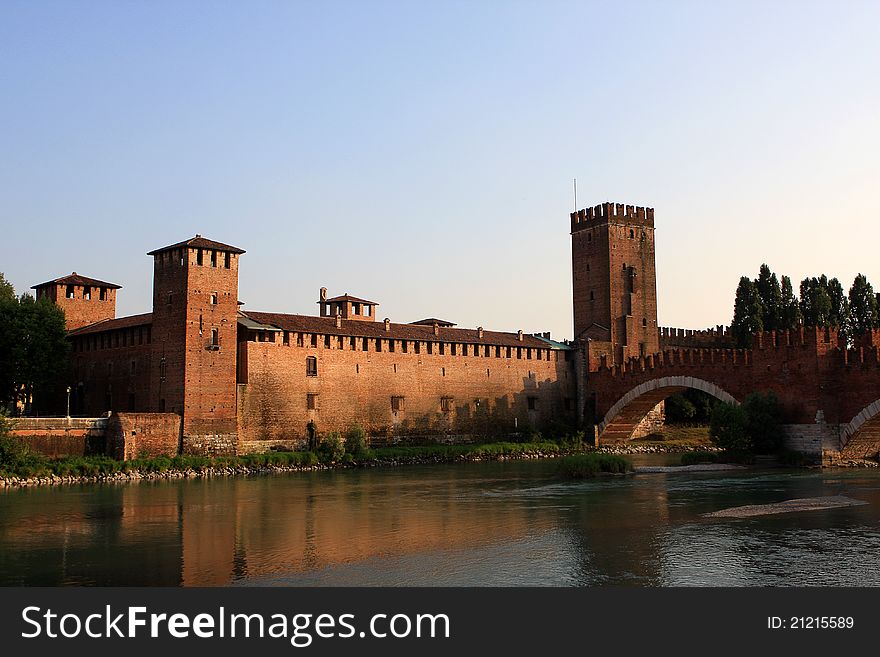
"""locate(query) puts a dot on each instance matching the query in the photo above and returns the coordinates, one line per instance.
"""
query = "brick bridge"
(830, 395)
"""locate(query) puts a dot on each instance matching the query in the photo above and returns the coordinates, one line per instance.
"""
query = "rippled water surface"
(511, 523)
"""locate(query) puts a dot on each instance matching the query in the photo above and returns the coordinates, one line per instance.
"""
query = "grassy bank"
(34, 467)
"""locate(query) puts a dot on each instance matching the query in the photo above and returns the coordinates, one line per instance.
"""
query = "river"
(470, 524)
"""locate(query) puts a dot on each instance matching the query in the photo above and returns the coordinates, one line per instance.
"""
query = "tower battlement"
(611, 212)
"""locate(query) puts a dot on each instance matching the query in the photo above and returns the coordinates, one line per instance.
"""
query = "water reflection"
(469, 524)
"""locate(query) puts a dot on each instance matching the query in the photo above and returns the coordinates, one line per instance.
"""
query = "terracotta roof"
(430, 321)
(348, 297)
(199, 242)
(356, 328)
(76, 279)
(113, 324)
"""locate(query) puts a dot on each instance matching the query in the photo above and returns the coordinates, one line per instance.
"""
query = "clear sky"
(421, 154)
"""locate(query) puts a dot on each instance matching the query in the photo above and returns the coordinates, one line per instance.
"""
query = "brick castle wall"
(143, 435)
(356, 387)
(56, 437)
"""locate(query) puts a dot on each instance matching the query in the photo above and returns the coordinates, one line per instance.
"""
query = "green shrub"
(727, 428)
(356, 441)
(331, 448)
(579, 466)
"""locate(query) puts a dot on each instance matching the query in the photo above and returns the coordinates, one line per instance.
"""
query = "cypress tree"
(747, 313)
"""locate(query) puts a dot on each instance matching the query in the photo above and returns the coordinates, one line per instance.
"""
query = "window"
(519, 352)
(215, 337)
(403, 346)
(533, 403)
(588, 266)
(314, 339)
(497, 352)
(378, 345)
(311, 366)
(70, 292)
(644, 322)
(452, 348)
(443, 371)
(446, 404)
(391, 346)
(368, 310)
(213, 258)
(417, 347)
(632, 234)
(589, 237)
(170, 298)
(299, 339)
(430, 347)
(442, 348)
(87, 293)
(285, 338)
(133, 367)
(365, 346)
(311, 401)
(592, 295)
(352, 342)
(397, 404)
(103, 294)
(213, 298)
(327, 341)
(355, 309)
(226, 260)
(199, 257)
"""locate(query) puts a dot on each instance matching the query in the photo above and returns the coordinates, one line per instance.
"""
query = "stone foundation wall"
(212, 445)
(653, 422)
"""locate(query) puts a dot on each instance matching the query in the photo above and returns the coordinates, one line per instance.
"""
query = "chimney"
(436, 328)
(480, 332)
(338, 320)
(387, 324)
(322, 294)
(519, 335)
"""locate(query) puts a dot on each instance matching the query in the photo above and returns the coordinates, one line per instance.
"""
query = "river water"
(470, 524)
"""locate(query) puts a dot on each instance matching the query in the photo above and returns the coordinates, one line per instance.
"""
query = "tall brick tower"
(614, 280)
(195, 310)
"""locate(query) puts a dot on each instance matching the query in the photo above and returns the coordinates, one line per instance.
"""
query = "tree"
(815, 301)
(791, 311)
(863, 306)
(763, 424)
(840, 316)
(33, 350)
(727, 428)
(7, 292)
(747, 313)
(771, 299)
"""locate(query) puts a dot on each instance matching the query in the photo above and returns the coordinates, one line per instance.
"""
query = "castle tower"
(195, 308)
(614, 280)
(84, 300)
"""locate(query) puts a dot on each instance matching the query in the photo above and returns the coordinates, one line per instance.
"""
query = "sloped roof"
(348, 297)
(430, 321)
(77, 279)
(356, 328)
(199, 242)
(114, 324)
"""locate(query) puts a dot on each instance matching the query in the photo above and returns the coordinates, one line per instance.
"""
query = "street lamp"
(68, 402)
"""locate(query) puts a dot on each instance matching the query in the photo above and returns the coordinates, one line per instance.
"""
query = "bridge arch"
(861, 437)
(624, 416)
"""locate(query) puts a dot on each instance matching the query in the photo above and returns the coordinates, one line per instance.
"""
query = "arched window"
(311, 366)
(632, 234)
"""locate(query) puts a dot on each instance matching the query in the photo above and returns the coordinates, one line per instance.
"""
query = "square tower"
(84, 300)
(614, 283)
(195, 317)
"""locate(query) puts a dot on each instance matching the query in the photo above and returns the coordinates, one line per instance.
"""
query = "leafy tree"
(679, 409)
(7, 292)
(747, 313)
(727, 427)
(815, 301)
(763, 422)
(863, 306)
(791, 311)
(771, 299)
(33, 350)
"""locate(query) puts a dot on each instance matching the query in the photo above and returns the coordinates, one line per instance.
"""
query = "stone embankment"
(660, 448)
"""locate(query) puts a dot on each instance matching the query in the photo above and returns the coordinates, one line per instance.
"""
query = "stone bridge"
(830, 395)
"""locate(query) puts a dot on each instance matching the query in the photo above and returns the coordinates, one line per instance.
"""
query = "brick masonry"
(143, 435)
(60, 436)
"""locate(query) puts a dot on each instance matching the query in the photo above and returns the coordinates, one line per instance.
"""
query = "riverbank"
(101, 469)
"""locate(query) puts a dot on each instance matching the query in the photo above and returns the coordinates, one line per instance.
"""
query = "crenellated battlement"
(607, 212)
(717, 337)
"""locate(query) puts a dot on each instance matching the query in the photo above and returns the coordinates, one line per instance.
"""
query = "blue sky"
(421, 154)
